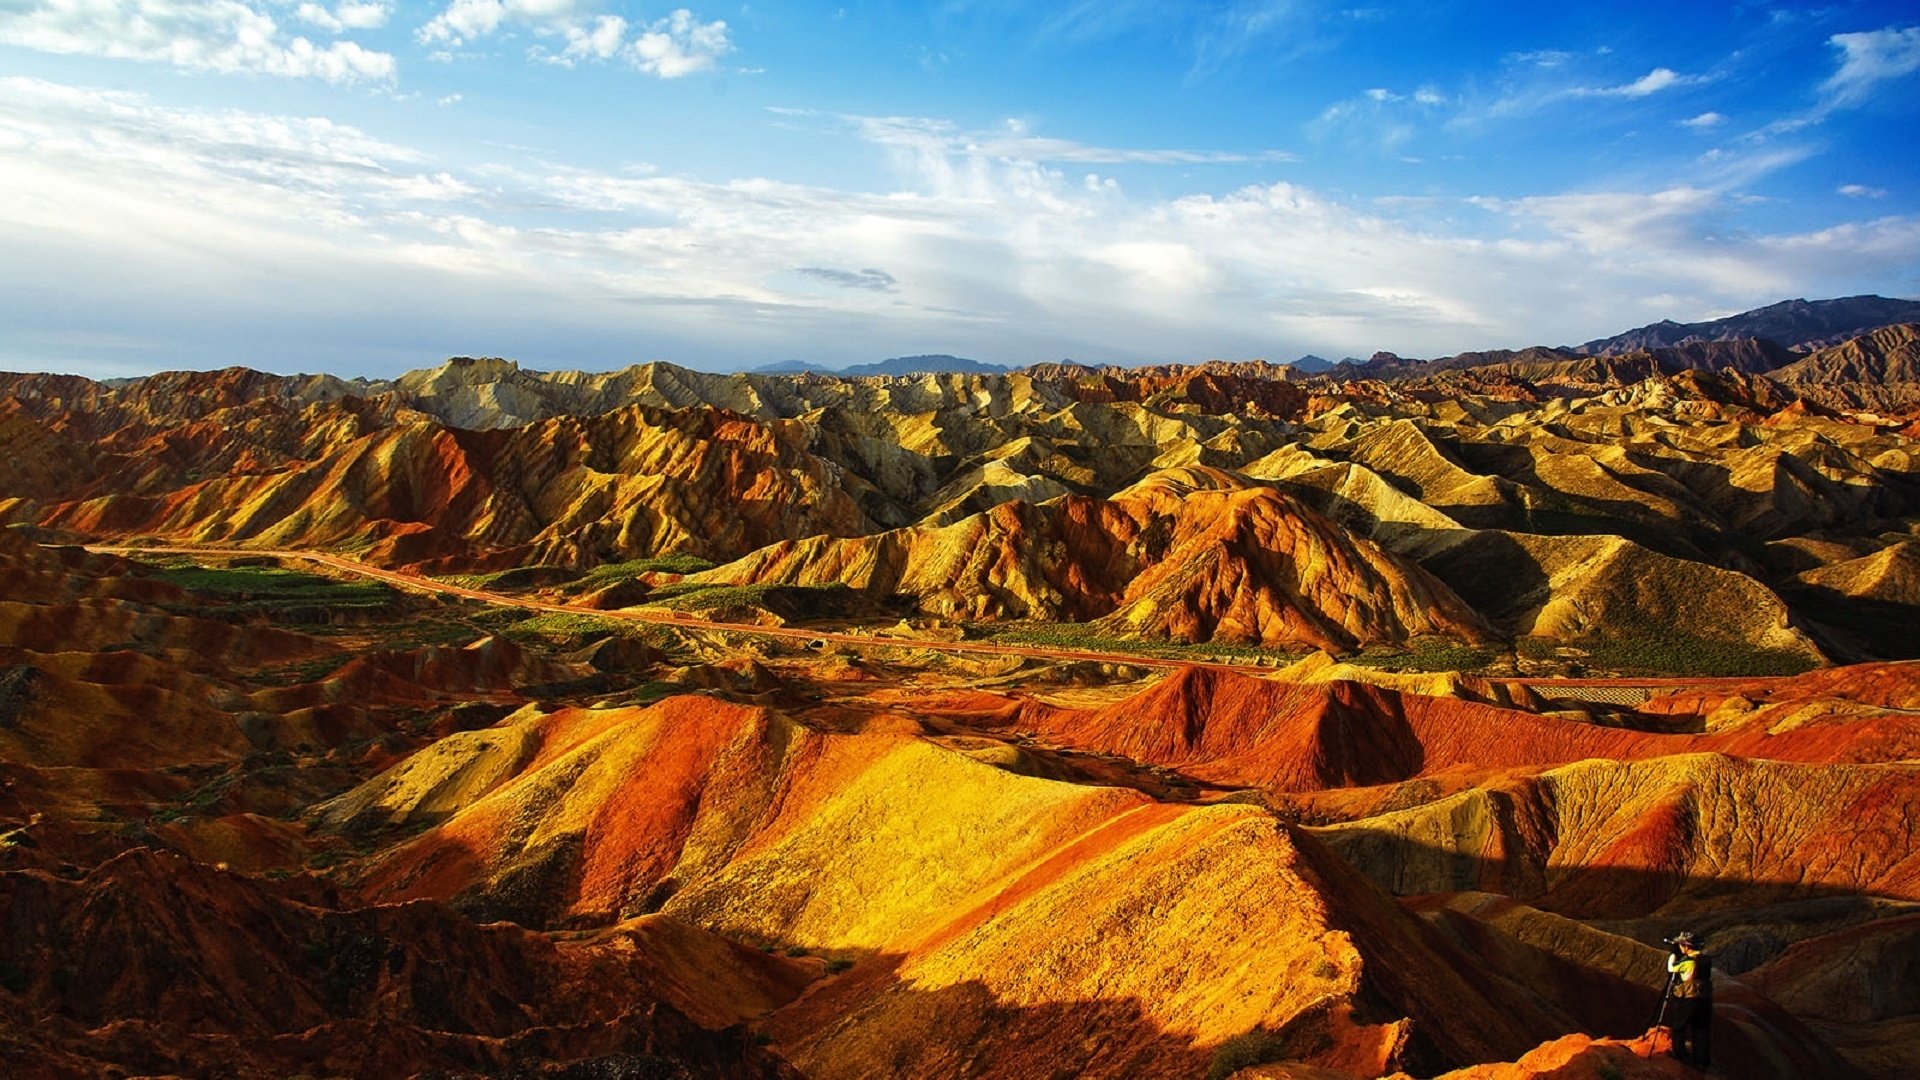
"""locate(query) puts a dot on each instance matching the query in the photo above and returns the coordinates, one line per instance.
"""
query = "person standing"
(1692, 1026)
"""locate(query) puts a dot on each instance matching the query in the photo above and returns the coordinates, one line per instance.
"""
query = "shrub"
(615, 573)
(1255, 1047)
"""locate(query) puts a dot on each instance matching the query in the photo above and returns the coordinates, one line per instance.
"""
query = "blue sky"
(363, 186)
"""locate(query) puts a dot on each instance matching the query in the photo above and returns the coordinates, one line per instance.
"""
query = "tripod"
(1660, 1018)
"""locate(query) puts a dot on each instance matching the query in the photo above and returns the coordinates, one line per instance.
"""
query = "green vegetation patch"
(301, 672)
(1635, 643)
(617, 573)
(1297, 1040)
(1090, 638)
(1428, 654)
(801, 601)
(1673, 653)
(273, 585)
(511, 579)
(571, 629)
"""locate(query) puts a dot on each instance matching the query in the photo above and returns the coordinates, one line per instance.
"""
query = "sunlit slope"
(1583, 501)
(987, 897)
(1691, 833)
(694, 803)
(636, 482)
(1243, 564)
(1142, 945)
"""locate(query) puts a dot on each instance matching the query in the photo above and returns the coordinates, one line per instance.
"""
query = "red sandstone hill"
(1170, 557)
(1232, 729)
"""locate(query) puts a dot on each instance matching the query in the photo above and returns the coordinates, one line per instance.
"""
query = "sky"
(367, 186)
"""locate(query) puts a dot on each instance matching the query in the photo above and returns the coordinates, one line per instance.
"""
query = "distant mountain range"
(931, 363)
(1756, 341)
(1797, 324)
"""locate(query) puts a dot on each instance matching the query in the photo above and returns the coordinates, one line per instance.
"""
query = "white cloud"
(672, 47)
(1704, 121)
(600, 40)
(1861, 191)
(211, 35)
(462, 21)
(170, 223)
(363, 16)
(315, 15)
(348, 15)
(1645, 86)
(1870, 58)
(680, 44)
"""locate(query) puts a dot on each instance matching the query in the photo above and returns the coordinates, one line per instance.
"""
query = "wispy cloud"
(1867, 61)
(1646, 85)
(1870, 59)
(871, 279)
(230, 36)
(1536, 82)
(1014, 141)
(1706, 121)
(1213, 36)
(1379, 118)
(1861, 191)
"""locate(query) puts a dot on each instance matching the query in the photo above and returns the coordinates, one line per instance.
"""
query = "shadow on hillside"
(1759, 916)
(1496, 576)
(1857, 628)
(1555, 511)
(1492, 572)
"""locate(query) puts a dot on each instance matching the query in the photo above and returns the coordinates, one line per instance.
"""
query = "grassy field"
(600, 577)
(271, 584)
(1672, 653)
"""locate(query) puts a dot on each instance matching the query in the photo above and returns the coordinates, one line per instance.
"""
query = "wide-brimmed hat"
(1687, 938)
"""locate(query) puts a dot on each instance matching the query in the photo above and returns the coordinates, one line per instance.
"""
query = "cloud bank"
(144, 222)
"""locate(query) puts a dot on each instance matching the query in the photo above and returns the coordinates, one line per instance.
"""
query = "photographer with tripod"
(1688, 1004)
